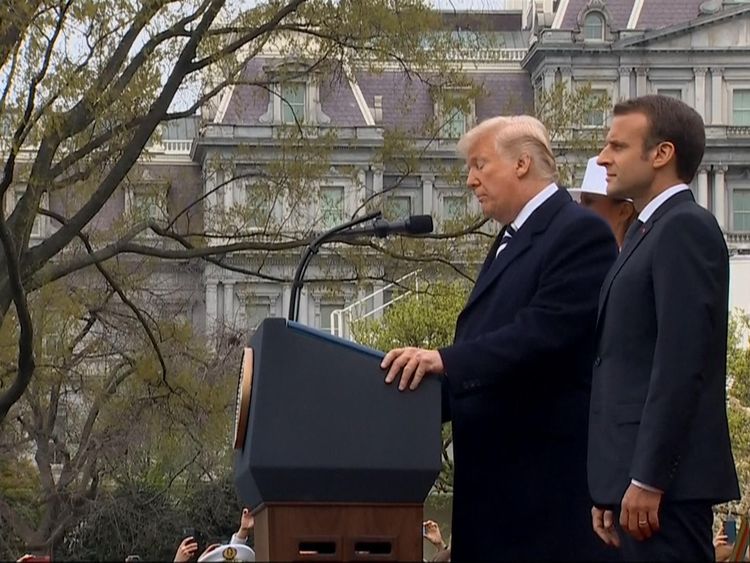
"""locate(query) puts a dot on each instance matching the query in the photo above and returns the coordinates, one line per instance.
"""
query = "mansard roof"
(408, 103)
(701, 20)
(407, 100)
(654, 14)
(657, 14)
(618, 10)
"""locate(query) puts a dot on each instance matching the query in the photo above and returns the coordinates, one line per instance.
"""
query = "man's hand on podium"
(413, 363)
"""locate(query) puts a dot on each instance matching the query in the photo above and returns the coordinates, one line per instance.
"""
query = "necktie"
(637, 224)
(507, 236)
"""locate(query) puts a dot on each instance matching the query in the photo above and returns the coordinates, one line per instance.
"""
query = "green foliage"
(738, 374)
(576, 121)
(425, 319)
(149, 520)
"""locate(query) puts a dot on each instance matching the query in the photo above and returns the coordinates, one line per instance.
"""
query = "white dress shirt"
(532, 205)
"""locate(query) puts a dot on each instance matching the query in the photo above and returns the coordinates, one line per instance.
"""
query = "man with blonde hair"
(517, 378)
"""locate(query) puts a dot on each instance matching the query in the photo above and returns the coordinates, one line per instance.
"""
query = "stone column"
(700, 91)
(720, 196)
(305, 315)
(286, 297)
(229, 316)
(567, 77)
(703, 186)
(428, 193)
(211, 307)
(624, 92)
(549, 78)
(228, 190)
(717, 98)
(377, 179)
(641, 84)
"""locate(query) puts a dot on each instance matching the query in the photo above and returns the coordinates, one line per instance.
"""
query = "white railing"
(170, 146)
(738, 131)
(492, 55)
(341, 319)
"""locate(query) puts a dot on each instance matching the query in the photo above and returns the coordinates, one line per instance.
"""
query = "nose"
(603, 158)
(471, 180)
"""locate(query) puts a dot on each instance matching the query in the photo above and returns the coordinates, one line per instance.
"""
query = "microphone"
(413, 225)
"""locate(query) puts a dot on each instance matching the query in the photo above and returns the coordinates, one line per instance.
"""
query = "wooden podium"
(334, 463)
(338, 532)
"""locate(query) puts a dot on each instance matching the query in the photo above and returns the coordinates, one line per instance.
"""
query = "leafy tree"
(738, 375)
(575, 118)
(98, 415)
(86, 85)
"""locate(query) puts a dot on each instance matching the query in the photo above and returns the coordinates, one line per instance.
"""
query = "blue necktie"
(507, 237)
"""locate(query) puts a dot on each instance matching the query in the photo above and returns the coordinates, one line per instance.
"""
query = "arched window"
(593, 27)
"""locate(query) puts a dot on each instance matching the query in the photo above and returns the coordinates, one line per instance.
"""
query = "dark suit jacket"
(658, 403)
(518, 385)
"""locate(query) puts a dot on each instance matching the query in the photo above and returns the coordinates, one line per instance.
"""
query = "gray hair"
(519, 134)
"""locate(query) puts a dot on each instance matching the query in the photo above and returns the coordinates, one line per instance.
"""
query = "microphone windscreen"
(419, 224)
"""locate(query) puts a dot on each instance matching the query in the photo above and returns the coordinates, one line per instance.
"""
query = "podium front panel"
(324, 427)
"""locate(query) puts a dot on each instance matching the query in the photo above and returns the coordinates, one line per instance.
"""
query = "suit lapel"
(492, 253)
(522, 240)
(633, 245)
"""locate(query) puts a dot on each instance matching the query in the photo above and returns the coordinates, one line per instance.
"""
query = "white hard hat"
(229, 552)
(595, 178)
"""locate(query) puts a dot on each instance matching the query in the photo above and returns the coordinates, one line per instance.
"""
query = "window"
(741, 210)
(258, 205)
(741, 107)
(454, 207)
(148, 205)
(455, 124)
(256, 313)
(596, 117)
(293, 102)
(454, 110)
(397, 207)
(593, 27)
(146, 202)
(325, 314)
(675, 93)
(332, 205)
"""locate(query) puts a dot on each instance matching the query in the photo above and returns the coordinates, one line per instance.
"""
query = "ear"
(626, 210)
(523, 164)
(665, 154)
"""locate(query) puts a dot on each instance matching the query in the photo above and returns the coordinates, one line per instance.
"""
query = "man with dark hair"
(659, 453)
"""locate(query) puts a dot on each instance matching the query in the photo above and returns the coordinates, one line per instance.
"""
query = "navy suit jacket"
(658, 404)
(518, 384)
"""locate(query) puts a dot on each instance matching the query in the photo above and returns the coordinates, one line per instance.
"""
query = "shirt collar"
(657, 202)
(533, 204)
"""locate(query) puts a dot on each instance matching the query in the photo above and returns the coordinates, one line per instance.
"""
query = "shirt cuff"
(237, 539)
(646, 487)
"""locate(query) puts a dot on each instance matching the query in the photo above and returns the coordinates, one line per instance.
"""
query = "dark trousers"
(685, 535)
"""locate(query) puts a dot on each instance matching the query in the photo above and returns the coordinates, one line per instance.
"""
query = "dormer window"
(593, 26)
(293, 102)
(294, 95)
(454, 112)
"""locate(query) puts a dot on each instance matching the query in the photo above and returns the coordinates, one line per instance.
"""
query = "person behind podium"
(517, 377)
